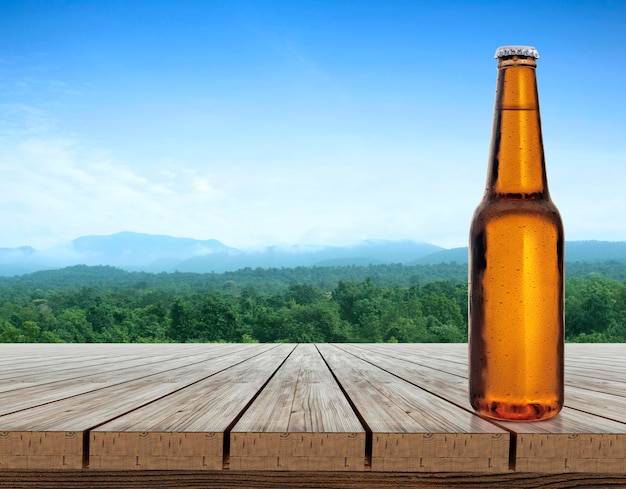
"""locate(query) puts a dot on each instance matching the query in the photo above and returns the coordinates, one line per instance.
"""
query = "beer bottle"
(516, 294)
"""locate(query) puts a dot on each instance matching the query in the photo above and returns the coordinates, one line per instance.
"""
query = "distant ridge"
(368, 252)
(575, 251)
(136, 250)
(161, 253)
(458, 255)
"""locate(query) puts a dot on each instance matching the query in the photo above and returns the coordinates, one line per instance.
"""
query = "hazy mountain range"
(157, 253)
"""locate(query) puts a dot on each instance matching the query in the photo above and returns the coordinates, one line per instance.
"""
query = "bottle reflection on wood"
(516, 298)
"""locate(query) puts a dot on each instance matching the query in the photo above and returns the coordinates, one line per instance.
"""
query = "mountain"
(15, 261)
(130, 251)
(371, 252)
(595, 251)
(136, 251)
(458, 255)
(575, 251)
(158, 253)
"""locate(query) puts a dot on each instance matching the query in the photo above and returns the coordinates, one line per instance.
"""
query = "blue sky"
(297, 122)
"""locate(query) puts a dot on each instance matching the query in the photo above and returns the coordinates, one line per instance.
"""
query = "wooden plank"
(20, 369)
(178, 479)
(58, 368)
(186, 429)
(34, 449)
(612, 387)
(603, 395)
(568, 443)
(300, 421)
(574, 441)
(595, 375)
(414, 430)
(45, 390)
(586, 438)
(449, 386)
(606, 355)
(599, 403)
(84, 361)
(51, 436)
(587, 361)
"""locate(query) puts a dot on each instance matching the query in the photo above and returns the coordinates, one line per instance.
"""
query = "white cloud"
(53, 190)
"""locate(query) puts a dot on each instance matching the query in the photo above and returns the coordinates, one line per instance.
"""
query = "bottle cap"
(529, 51)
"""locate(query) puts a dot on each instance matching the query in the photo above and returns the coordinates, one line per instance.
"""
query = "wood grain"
(575, 441)
(54, 433)
(175, 479)
(300, 421)
(186, 429)
(300, 415)
(412, 429)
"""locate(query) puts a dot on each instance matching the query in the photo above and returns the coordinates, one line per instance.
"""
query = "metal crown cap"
(529, 51)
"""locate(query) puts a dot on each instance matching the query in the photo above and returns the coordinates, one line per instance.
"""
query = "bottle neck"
(517, 165)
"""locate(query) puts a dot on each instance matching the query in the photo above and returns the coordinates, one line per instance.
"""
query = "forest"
(376, 303)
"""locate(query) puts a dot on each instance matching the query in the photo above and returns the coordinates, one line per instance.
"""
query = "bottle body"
(516, 311)
(516, 275)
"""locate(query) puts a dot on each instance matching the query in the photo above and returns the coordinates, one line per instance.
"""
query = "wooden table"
(274, 415)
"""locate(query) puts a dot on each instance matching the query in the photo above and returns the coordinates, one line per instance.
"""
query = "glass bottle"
(516, 248)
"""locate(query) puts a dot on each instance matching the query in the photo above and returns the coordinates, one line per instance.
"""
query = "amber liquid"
(516, 269)
(516, 311)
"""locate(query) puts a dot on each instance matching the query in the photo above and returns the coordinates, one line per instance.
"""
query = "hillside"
(575, 251)
(377, 303)
(156, 253)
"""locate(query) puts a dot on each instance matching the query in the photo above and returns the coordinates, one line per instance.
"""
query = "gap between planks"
(574, 442)
(56, 435)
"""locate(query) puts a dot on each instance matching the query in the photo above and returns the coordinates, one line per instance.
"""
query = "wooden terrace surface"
(284, 408)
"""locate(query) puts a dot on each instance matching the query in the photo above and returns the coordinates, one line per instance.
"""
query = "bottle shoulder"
(495, 208)
(517, 201)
